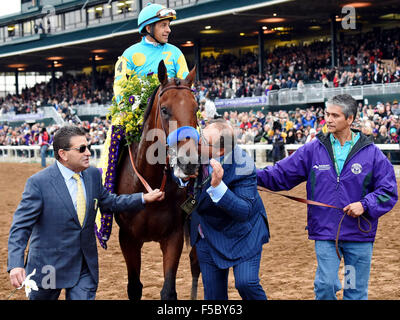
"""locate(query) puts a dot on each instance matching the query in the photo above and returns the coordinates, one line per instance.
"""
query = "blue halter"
(181, 134)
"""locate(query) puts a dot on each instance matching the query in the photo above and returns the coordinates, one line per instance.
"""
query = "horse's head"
(177, 109)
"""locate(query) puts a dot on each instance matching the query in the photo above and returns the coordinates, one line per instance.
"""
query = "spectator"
(312, 135)
(394, 137)
(44, 145)
(300, 138)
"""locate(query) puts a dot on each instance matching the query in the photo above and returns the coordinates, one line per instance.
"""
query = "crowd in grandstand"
(28, 135)
(363, 59)
(69, 91)
(301, 125)
(286, 127)
(368, 58)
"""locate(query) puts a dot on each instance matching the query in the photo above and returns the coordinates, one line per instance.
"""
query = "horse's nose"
(187, 164)
(187, 160)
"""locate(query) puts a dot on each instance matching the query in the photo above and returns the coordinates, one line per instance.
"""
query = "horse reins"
(164, 179)
(320, 204)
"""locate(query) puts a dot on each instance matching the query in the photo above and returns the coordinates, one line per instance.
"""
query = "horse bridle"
(317, 203)
(158, 111)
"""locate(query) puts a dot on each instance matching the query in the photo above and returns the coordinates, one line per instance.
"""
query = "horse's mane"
(150, 105)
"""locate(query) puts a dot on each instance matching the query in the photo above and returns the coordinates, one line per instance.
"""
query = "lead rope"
(320, 204)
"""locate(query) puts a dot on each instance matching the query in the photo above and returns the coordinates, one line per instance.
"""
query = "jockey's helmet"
(152, 13)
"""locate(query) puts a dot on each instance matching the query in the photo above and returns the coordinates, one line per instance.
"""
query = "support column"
(94, 74)
(197, 58)
(16, 83)
(261, 53)
(53, 78)
(333, 41)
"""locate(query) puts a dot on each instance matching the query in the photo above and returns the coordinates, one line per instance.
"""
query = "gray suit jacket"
(46, 216)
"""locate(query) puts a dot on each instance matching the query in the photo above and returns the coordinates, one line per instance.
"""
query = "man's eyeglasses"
(204, 142)
(81, 149)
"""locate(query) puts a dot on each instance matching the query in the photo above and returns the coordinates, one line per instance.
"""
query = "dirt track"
(287, 266)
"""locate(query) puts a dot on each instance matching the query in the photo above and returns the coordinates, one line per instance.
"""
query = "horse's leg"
(131, 250)
(195, 270)
(172, 249)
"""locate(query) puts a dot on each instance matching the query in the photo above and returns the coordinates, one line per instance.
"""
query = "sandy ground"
(287, 267)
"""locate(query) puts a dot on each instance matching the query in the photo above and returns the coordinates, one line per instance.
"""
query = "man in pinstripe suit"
(229, 224)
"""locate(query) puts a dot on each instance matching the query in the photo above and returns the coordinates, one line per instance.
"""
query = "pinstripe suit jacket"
(236, 227)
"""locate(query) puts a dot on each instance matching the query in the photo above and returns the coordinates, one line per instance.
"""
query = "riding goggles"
(166, 13)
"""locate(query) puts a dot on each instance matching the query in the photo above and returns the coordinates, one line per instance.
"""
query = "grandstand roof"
(228, 18)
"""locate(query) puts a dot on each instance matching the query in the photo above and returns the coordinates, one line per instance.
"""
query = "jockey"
(143, 57)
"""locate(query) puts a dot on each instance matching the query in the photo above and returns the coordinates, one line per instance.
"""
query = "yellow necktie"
(80, 199)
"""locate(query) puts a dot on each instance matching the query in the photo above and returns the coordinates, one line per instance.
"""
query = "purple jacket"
(367, 176)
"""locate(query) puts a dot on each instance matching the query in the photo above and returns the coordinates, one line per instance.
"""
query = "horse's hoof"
(168, 295)
(135, 291)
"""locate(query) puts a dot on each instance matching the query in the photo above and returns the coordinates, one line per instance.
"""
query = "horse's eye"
(164, 110)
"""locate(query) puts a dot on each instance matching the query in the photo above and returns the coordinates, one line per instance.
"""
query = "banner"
(241, 102)
(26, 117)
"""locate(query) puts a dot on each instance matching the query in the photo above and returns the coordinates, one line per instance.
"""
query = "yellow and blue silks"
(141, 58)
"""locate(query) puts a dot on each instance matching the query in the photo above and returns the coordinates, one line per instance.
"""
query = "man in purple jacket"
(344, 169)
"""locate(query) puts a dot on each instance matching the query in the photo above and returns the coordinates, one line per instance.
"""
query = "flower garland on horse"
(126, 123)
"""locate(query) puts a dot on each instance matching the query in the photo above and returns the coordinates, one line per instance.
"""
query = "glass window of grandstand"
(166, 3)
(75, 19)
(53, 23)
(9, 79)
(3, 30)
(13, 31)
(172, 3)
(28, 28)
(99, 14)
(124, 8)
(39, 26)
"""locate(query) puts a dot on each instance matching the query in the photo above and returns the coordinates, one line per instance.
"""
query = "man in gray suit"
(57, 213)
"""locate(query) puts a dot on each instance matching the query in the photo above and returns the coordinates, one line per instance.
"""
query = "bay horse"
(163, 222)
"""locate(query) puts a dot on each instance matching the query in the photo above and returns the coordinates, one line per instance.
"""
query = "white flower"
(135, 105)
(29, 284)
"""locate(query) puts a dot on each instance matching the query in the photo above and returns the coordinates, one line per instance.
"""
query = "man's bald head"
(222, 134)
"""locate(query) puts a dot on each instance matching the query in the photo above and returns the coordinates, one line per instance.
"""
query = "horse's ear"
(191, 76)
(162, 73)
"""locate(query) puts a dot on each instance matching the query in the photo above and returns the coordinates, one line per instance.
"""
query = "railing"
(258, 152)
(44, 112)
(313, 94)
(309, 94)
(51, 112)
(281, 97)
(92, 109)
(31, 154)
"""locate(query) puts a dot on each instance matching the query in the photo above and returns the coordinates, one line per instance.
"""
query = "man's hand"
(155, 195)
(17, 276)
(217, 173)
(354, 209)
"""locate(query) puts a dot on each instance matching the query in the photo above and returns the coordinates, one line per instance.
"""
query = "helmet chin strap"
(153, 36)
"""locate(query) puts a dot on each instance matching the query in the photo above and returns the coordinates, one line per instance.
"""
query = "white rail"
(32, 153)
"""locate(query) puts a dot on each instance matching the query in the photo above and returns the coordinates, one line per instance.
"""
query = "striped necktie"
(80, 199)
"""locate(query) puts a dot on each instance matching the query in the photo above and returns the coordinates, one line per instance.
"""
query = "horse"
(171, 103)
